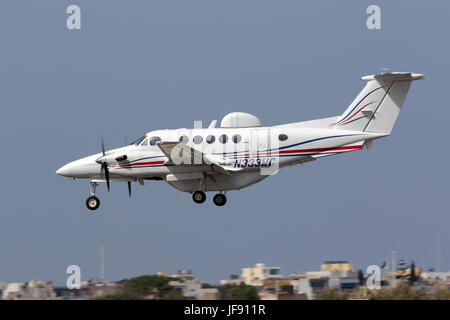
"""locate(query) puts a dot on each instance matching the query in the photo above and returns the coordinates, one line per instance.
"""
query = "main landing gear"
(219, 199)
(199, 197)
(92, 203)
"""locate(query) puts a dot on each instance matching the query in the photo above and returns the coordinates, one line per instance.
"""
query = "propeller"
(103, 145)
(122, 158)
(106, 171)
(105, 165)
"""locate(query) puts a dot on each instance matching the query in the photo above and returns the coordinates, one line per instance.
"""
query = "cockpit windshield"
(138, 141)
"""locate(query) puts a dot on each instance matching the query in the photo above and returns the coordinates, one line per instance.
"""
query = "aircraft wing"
(180, 154)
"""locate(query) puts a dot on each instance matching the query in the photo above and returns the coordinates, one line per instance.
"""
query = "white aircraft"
(242, 152)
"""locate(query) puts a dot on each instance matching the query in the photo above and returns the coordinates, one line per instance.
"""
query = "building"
(434, 276)
(255, 276)
(233, 280)
(65, 293)
(338, 266)
(193, 290)
(95, 289)
(28, 290)
(280, 285)
(13, 290)
(40, 290)
(181, 274)
(189, 286)
(332, 274)
(282, 296)
(337, 273)
(210, 294)
(90, 289)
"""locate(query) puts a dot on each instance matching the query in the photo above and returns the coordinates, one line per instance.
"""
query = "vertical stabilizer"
(377, 106)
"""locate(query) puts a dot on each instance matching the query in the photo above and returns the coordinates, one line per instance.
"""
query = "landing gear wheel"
(219, 199)
(92, 203)
(199, 197)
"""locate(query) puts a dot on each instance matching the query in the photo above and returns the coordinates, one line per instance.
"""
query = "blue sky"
(137, 66)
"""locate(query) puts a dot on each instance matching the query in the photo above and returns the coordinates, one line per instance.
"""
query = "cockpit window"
(138, 141)
(144, 143)
(154, 140)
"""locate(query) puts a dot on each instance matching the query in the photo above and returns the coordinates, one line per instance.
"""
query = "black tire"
(92, 203)
(199, 197)
(220, 199)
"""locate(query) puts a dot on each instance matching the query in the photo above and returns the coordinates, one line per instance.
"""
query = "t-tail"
(377, 106)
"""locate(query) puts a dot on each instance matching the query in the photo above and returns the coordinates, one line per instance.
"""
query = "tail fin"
(377, 106)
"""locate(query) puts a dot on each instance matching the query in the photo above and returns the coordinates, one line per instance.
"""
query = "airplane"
(242, 152)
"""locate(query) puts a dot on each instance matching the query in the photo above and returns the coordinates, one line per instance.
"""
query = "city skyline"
(135, 68)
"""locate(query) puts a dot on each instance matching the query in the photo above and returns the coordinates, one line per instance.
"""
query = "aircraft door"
(259, 141)
(260, 147)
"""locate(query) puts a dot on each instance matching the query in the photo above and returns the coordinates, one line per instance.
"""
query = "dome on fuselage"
(240, 120)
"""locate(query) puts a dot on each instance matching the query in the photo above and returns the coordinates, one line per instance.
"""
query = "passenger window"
(223, 138)
(184, 139)
(282, 137)
(236, 138)
(198, 139)
(210, 139)
(154, 140)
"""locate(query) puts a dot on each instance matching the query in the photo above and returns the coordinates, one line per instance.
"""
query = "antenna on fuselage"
(212, 124)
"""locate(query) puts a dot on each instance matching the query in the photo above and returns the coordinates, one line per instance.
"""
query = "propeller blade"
(104, 164)
(105, 169)
(129, 188)
(103, 145)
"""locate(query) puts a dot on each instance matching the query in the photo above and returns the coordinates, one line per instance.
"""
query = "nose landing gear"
(92, 203)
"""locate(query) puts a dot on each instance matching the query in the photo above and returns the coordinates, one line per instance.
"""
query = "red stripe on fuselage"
(321, 149)
(297, 150)
(140, 164)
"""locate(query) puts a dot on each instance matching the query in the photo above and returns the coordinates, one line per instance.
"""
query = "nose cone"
(82, 168)
(64, 171)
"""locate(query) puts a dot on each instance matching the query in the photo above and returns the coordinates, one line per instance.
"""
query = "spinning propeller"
(104, 166)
